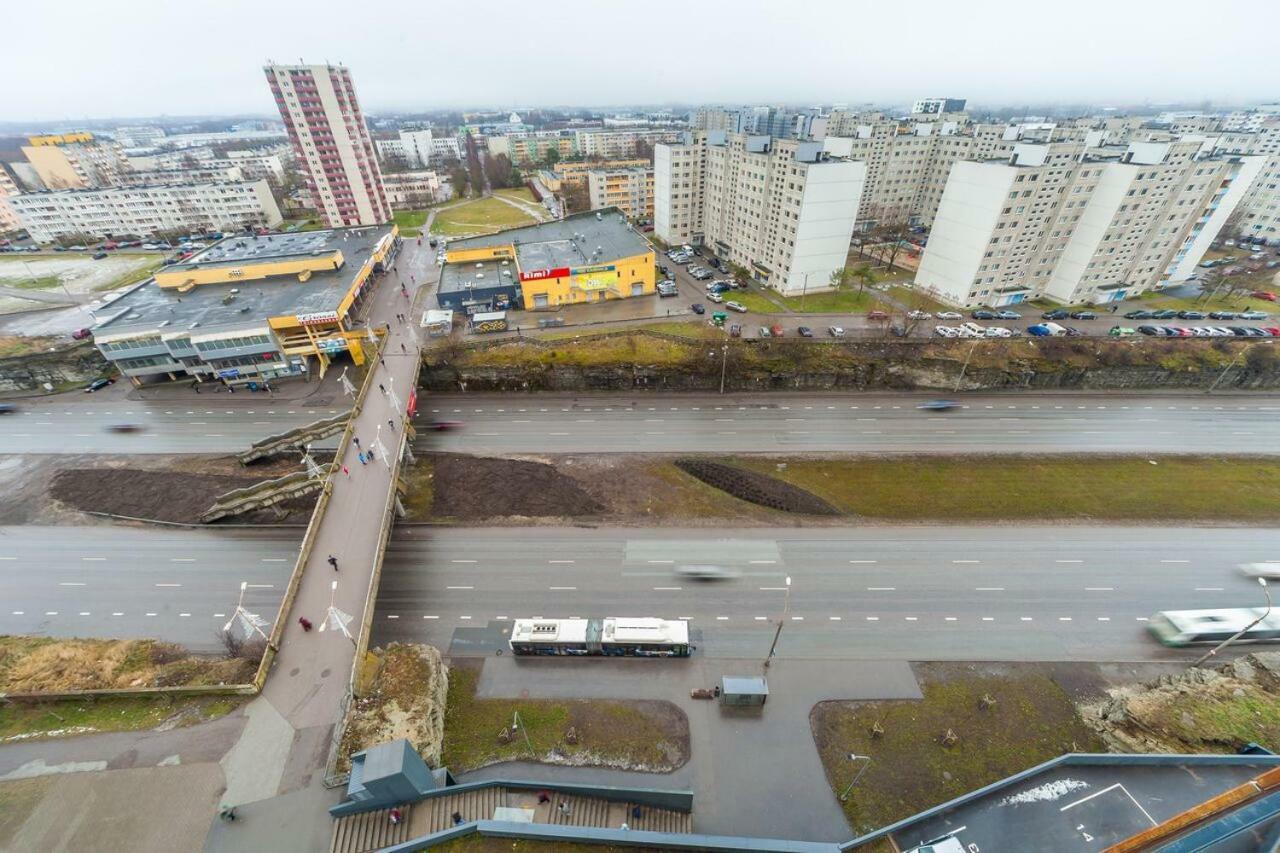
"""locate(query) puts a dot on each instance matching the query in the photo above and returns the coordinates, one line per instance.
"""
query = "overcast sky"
(75, 59)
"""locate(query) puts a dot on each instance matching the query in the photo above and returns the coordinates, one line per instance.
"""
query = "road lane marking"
(71, 583)
(51, 613)
(1208, 589)
(797, 618)
(430, 617)
(912, 618)
(966, 561)
(834, 618)
(562, 588)
(948, 618)
(666, 589)
(462, 561)
(763, 562)
(84, 613)
(168, 584)
(1104, 618)
(1025, 618)
(274, 560)
(988, 589)
(1068, 561)
(862, 561)
(1175, 561)
(464, 617)
(119, 613)
(761, 618)
(19, 613)
(873, 618)
(772, 588)
(392, 616)
(260, 586)
(152, 614)
(459, 587)
(554, 562)
(1064, 618)
(93, 559)
(988, 618)
(722, 618)
(881, 588)
(182, 559)
(661, 562)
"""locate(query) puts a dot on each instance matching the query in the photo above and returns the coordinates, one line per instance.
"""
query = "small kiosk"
(743, 691)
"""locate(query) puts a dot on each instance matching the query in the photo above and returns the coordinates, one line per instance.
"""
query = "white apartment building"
(1259, 213)
(781, 208)
(1079, 224)
(629, 190)
(938, 106)
(335, 152)
(408, 190)
(79, 164)
(8, 188)
(145, 211)
(678, 179)
(140, 136)
(420, 148)
(618, 144)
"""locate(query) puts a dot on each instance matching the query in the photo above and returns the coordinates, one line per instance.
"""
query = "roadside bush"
(756, 488)
(1262, 359)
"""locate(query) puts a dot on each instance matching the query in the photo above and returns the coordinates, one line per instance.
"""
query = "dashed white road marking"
(168, 584)
(881, 588)
(459, 587)
(71, 583)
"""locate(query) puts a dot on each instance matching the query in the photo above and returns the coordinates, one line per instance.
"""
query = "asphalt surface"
(784, 423)
(178, 585)
(914, 593)
(81, 424)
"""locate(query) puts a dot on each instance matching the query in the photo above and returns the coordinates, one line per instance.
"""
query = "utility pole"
(786, 609)
(724, 358)
(844, 797)
(1223, 374)
(1238, 634)
(965, 366)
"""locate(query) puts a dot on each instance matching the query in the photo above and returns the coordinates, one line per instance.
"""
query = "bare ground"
(177, 488)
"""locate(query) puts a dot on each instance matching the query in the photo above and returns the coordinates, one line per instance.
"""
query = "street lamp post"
(786, 609)
(844, 797)
(964, 367)
(1238, 634)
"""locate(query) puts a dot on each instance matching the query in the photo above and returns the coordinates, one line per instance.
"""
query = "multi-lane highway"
(178, 585)
(783, 423)
(1042, 593)
(202, 426)
(920, 593)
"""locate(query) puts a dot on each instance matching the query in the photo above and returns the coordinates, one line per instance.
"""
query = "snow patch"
(1047, 792)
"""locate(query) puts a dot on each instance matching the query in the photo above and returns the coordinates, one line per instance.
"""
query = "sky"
(77, 59)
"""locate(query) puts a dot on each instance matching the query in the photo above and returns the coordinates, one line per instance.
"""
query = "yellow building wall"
(53, 166)
(250, 271)
(61, 138)
(593, 284)
(479, 253)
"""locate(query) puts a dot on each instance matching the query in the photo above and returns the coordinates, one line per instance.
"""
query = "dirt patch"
(916, 763)
(475, 487)
(407, 701)
(1195, 710)
(43, 665)
(648, 736)
(756, 488)
(172, 489)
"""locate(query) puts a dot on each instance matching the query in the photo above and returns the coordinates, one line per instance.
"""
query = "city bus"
(611, 637)
(1185, 627)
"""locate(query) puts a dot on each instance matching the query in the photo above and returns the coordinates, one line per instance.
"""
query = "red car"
(776, 331)
(1264, 294)
(877, 315)
(80, 334)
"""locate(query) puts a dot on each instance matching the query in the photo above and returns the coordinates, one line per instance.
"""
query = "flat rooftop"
(1072, 807)
(474, 275)
(569, 242)
(212, 307)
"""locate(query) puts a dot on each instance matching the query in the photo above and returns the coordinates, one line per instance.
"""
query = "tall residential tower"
(320, 111)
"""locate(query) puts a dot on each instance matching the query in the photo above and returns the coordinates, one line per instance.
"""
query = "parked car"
(1056, 314)
(804, 332)
(701, 273)
(776, 330)
(877, 315)
(97, 256)
(1083, 315)
(1039, 330)
(736, 306)
(715, 297)
(1164, 314)
(1223, 315)
(1264, 294)
(835, 331)
(1120, 332)
(763, 331)
(950, 315)
(735, 331)
(1190, 315)
(80, 334)
(1149, 330)
(1073, 332)
(983, 314)
(946, 332)
(99, 384)
(1254, 315)
(998, 332)
(1138, 315)
(698, 308)
(1008, 315)
(919, 315)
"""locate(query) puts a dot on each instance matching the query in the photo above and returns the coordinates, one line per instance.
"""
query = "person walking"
(363, 461)
(369, 454)
(355, 439)
(345, 471)
(333, 561)
(391, 423)
(305, 623)
(402, 349)
(382, 388)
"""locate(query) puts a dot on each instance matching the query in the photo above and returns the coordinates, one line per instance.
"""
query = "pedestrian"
(333, 561)
(356, 439)
(457, 818)
(563, 808)
(305, 623)
(395, 815)
(544, 797)
(231, 388)
(369, 454)
(382, 388)
(391, 423)
(1113, 308)
(624, 826)
(402, 349)
(636, 814)
(383, 363)
(362, 459)
(345, 471)
(227, 813)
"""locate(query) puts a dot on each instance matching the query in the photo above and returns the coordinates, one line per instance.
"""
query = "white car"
(919, 315)
(734, 306)
(946, 332)
(971, 330)
(715, 297)
(835, 331)
(998, 332)
(1261, 570)
(950, 315)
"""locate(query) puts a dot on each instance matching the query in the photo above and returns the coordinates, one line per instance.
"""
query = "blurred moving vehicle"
(98, 384)
(445, 426)
(125, 428)
(707, 573)
(8, 409)
(938, 405)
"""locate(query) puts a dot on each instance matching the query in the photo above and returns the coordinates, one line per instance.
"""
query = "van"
(1055, 329)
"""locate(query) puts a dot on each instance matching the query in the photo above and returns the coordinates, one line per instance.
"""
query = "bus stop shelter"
(743, 691)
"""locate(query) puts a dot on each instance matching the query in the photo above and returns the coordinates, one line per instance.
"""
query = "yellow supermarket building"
(588, 257)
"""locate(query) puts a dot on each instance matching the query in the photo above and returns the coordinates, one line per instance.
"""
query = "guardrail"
(548, 833)
(261, 495)
(308, 539)
(272, 444)
(132, 692)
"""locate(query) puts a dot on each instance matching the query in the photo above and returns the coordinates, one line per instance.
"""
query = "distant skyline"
(72, 62)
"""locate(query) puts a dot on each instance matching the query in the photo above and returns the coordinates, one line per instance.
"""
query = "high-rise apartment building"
(938, 106)
(1079, 223)
(322, 117)
(72, 161)
(629, 190)
(781, 208)
(8, 218)
(1259, 213)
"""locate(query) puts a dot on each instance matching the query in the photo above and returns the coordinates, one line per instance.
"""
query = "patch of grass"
(753, 301)
(421, 481)
(110, 715)
(1160, 302)
(917, 299)
(610, 733)
(153, 263)
(482, 216)
(517, 193)
(599, 352)
(973, 489)
(44, 282)
(911, 769)
(11, 345)
(844, 301)
(410, 221)
(46, 664)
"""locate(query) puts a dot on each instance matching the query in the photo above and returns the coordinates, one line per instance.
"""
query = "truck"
(489, 321)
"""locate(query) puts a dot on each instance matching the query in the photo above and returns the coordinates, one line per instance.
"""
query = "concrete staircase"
(367, 831)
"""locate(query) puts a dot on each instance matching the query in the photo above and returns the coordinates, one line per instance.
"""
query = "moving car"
(736, 306)
(983, 314)
(804, 332)
(98, 384)
(124, 428)
(950, 315)
(835, 331)
(445, 426)
(707, 573)
(7, 408)
(698, 308)
(877, 315)
(80, 334)
(938, 405)
(1264, 294)
(97, 256)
